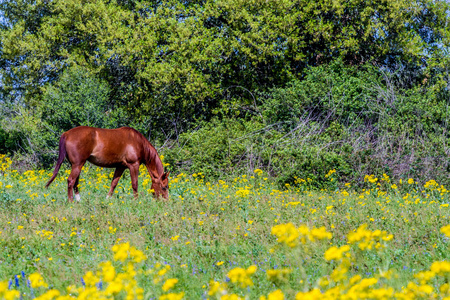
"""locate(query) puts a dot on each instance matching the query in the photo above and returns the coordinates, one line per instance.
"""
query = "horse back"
(105, 147)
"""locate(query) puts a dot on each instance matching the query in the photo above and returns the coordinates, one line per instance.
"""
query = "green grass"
(204, 223)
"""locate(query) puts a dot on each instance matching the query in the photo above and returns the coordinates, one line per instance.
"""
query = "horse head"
(160, 186)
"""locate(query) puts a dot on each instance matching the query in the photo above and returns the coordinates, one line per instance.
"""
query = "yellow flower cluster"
(36, 280)
(446, 230)
(370, 178)
(367, 239)
(440, 268)
(125, 251)
(335, 253)
(45, 234)
(432, 184)
(162, 160)
(242, 193)
(331, 172)
(290, 235)
(114, 283)
(286, 234)
(259, 172)
(172, 296)
(169, 284)
(275, 295)
(241, 276)
(5, 163)
(320, 233)
(353, 288)
(7, 294)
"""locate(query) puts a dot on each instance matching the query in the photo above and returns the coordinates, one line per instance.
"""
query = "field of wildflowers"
(242, 238)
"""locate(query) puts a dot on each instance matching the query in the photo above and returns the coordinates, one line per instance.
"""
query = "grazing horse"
(120, 148)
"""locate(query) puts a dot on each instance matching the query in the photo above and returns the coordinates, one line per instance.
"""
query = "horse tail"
(62, 154)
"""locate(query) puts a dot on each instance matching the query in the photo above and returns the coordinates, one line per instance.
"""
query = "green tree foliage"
(174, 62)
(328, 93)
(359, 97)
(312, 83)
(9, 141)
(76, 99)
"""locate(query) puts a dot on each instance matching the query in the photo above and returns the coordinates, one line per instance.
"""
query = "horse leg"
(134, 174)
(75, 188)
(117, 174)
(74, 174)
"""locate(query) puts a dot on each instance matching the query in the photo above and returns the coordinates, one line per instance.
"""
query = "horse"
(122, 148)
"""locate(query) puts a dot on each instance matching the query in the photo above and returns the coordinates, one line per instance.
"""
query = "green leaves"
(172, 63)
(77, 99)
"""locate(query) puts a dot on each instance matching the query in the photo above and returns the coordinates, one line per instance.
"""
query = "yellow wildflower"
(335, 253)
(241, 276)
(278, 275)
(36, 280)
(320, 234)
(216, 288)
(286, 233)
(311, 295)
(440, 267)
(172, 296)
(170, 283)
(275, 295)
(48, 295)
(108, 273)
(446, 230)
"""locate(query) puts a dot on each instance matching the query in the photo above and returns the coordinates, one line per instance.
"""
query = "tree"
(172, 63)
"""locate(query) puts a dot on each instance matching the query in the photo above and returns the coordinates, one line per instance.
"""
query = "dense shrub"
(10, 141)
(220, 147)
(78, 98)
(230, 146)
(332, 92)
(357, 120)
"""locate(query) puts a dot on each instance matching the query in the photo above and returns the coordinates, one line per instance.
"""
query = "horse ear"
(165, 175)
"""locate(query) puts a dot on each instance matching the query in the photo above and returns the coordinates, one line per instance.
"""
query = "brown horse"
(120, 148)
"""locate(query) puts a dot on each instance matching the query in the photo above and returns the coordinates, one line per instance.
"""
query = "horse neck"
(153, 162)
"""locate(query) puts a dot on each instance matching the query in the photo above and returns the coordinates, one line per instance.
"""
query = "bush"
(216, 148)
(332, 92)
(10, 141)
(356, 120)
(77, 98)
(228, 147)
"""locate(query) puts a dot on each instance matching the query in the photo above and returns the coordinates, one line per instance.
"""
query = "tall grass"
(240, 237)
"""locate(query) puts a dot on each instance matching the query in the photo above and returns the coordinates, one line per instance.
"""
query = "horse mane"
(152, 156)
(150, 153)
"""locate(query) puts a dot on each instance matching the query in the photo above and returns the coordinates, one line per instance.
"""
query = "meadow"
(239, 238)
